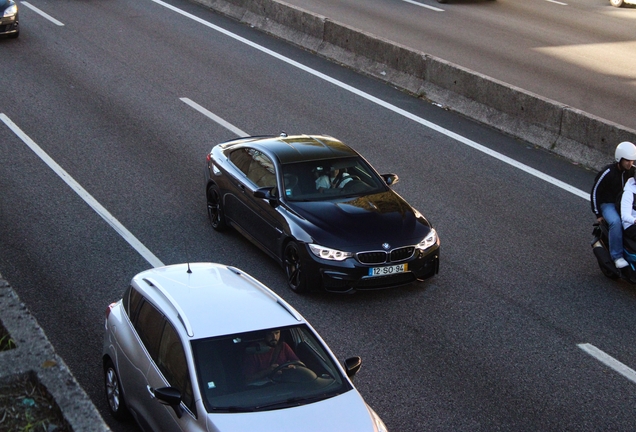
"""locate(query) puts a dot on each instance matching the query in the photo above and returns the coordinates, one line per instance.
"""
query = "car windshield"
(332, 178)
(265, 370)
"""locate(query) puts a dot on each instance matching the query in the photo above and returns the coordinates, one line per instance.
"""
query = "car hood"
(370, 221)
(346, 412)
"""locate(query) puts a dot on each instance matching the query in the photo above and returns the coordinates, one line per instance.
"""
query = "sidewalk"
(34, 355)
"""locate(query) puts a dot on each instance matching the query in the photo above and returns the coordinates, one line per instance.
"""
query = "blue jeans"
(613, 219)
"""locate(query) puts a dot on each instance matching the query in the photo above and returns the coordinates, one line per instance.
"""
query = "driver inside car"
(265, 360)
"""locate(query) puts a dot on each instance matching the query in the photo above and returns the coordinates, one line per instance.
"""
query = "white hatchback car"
(206, 347)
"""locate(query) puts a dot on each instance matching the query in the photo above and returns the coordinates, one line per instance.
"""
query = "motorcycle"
(600, 247)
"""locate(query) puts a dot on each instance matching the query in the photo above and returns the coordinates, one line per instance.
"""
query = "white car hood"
(344, 413)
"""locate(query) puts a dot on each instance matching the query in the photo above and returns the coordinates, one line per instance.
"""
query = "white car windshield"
(265, 370)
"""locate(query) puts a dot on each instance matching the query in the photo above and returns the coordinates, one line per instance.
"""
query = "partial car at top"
(620, 3)
(322, 211)
(9, 22)
(206, 347)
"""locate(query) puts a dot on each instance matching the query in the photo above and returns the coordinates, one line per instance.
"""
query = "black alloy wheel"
(296, 277)
(114, 395)
(215, 208)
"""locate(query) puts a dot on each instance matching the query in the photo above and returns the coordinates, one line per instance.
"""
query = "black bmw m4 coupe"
(322, 211)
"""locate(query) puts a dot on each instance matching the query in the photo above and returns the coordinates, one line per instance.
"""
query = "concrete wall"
(574, 134)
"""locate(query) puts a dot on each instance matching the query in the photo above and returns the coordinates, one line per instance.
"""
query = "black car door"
(255, 217)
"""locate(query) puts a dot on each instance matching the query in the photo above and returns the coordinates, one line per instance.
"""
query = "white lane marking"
(436, 9)
(400, 111)
(45, 15)
(607, 360)
(99, 209)
(214, 117)
(557, 2)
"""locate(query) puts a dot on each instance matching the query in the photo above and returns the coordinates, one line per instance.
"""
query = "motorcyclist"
(628, 215)
(607, 190)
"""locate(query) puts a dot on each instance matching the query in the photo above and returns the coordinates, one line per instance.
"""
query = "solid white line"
(400, 111)
(45, 15)
(214, 117)
(557, 2)
(607, 360)
(436, 9)
(110, 219)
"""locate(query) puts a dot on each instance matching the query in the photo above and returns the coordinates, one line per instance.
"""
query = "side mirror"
(170, 396)
(266, 192)
(390, 179)
(352, 366)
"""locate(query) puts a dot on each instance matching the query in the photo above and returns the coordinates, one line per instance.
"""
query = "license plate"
(388, 270)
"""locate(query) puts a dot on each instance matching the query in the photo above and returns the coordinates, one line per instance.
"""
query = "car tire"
(442, 1)
(616, 3)
(114, 394)
(215, 208)
(294, 268)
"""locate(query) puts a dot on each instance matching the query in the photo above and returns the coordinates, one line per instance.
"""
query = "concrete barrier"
(571, 133)
(34, 356)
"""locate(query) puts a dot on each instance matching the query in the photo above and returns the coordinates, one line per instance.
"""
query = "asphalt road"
(577, 52)
(491, 343)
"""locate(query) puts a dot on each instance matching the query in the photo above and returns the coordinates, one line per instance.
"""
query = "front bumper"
(9, 25)
(349, 276)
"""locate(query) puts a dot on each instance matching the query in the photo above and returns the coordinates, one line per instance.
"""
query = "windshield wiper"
(232, 409)
(295, 401)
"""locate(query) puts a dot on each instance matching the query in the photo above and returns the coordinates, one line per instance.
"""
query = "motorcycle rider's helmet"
(625, 150)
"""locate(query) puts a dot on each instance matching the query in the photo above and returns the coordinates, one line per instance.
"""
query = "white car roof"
(213, 299)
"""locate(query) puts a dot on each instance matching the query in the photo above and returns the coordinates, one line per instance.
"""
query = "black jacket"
(608, 186)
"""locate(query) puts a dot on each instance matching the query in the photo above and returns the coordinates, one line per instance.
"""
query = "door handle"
(151, 391)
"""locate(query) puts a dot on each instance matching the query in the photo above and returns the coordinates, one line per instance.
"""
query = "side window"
(255, 165)
(241, 159)
(132, 298)
(172, 363)
(149, 325)
(261, 170)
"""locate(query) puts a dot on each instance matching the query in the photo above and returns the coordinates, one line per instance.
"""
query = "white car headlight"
(328, 253)
(428, 241)
(10, 11)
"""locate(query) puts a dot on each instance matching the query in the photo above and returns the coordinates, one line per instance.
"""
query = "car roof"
(208, 299)
(297, 148)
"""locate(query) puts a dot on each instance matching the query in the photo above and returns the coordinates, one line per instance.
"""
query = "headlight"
(10, 11)
(328, 253)
(428, 241)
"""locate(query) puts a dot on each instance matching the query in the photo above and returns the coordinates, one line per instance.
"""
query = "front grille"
(401, 254)
(386, 281)
(381, 257)
(375, 257)
(337, 285)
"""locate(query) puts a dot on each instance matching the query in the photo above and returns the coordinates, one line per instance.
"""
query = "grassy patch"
(26, 406)
(6, 343)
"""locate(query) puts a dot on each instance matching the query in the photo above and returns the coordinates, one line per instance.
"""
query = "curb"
(34, 355)
(576, 135)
